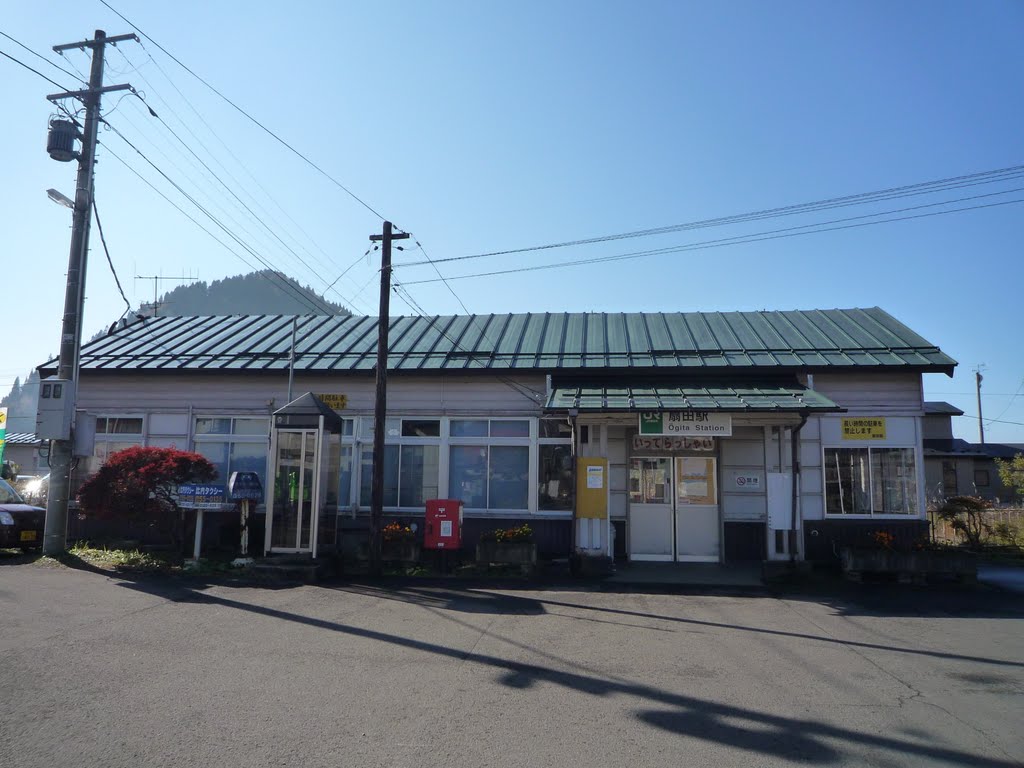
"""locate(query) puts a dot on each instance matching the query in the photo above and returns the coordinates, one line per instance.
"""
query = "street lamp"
(60, 199)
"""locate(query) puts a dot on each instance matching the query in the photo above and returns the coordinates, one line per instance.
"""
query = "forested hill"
(254, 293)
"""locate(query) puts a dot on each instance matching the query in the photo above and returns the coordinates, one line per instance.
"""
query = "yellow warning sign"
(870, 428)
(335, 402)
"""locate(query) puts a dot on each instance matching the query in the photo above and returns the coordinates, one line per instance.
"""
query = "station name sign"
(686, 424)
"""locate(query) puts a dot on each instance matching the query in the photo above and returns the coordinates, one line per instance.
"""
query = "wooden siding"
(226, 392)
(879, 393)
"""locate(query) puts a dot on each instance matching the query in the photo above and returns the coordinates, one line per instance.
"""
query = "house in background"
(23, 449)
(955, 467)
(718, 436)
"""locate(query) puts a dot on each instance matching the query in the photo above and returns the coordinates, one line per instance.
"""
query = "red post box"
(443, 524)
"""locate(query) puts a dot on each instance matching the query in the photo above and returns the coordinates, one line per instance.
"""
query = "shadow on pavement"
(760, 733)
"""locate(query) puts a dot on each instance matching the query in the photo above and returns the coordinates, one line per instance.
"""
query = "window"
(234, 444)
(411, 462)
(113, 434)
(489, 463)
(981, 478)
(870, 481)
(949, 479)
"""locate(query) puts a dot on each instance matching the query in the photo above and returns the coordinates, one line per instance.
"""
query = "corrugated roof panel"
(819, 339)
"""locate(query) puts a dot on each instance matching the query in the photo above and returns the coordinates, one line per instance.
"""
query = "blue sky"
(485, 126)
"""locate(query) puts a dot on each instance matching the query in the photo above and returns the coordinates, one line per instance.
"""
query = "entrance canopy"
(732, 396)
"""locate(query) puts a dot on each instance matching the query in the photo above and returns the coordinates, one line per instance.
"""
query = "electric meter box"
(443, 524)
(56, 409)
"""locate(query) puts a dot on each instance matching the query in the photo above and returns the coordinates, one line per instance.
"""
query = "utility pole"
(380, 408)
(977, 383)
(55, 531)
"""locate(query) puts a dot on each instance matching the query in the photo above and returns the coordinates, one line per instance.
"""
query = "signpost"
(246, 488)
(200, 497)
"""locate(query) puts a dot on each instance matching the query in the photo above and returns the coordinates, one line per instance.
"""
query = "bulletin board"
(592, 488)
(695, 480)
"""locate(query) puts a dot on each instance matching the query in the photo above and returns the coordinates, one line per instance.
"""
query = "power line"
(40, 56)
(1009, 404)
(302, 297)
(957, 182)
(998, 421)
(103, 239)
(227, 148)
(32, 69)
(269, 132)
(737, 240)
(239, 199)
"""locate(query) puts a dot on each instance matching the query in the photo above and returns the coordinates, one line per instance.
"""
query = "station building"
(713, 437)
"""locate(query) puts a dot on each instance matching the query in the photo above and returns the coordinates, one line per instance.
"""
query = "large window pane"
(213, 426)
(510, 477)
(847, 482)
(510, 428)
(421, 427)
(217, 454)
(894, 481)
(555, 477)
(390, 476)
(419, 475)
(469, 428)
(555, 428)
(251, 426)
(467, 475)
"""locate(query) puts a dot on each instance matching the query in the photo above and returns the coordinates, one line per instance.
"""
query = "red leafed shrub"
(141, 484)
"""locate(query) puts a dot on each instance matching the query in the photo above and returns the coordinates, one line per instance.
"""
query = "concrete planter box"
(912, 566)
(406, 551)
(511, 552)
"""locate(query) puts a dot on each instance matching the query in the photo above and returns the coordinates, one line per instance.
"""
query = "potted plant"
(508, 545)
(398, 543)
(915, 562)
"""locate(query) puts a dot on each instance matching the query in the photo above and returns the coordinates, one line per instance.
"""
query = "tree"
(967, 516)
(142, 484)
(1012, 473)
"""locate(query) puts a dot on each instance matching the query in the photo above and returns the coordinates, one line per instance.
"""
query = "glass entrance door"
(293, 524)
(651, 516)
(673, 509)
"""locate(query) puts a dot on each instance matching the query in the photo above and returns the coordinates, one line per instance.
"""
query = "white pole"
(199, 535)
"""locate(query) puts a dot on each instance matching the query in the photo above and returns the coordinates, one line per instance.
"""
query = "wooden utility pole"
(380, 408)
(981, 424)
(55, 530)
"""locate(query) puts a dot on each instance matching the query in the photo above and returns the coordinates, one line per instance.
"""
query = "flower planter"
(402, 551)
(511, 552)
(911, 566)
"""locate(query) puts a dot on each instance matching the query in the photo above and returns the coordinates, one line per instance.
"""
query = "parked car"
(21, 524)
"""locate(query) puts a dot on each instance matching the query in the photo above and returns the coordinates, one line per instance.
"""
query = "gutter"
(794, 446)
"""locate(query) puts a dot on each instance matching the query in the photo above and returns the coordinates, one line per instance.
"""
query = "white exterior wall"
(898, 397)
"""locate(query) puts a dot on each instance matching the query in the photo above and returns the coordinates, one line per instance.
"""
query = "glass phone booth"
(305, 450)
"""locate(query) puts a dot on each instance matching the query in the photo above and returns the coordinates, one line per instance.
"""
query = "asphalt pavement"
(107, 671)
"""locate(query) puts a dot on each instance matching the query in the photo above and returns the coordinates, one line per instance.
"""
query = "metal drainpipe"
(794, 447)
(575, 501)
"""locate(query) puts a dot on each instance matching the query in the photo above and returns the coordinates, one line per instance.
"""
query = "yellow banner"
(335, 402)
(871, 428)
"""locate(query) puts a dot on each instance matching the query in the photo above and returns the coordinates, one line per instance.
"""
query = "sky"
(483, 127)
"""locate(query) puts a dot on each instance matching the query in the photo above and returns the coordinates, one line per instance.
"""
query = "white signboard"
(746, 480)
(686, 423)
(642, 443)
(595, 477)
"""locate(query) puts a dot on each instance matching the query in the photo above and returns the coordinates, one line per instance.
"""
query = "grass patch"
(124, 559)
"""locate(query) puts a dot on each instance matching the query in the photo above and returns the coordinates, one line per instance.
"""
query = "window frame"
(918, 483)
(198, 438)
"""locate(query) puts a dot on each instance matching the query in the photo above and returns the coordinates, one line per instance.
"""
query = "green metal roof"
(741, 397)
(768, 341)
